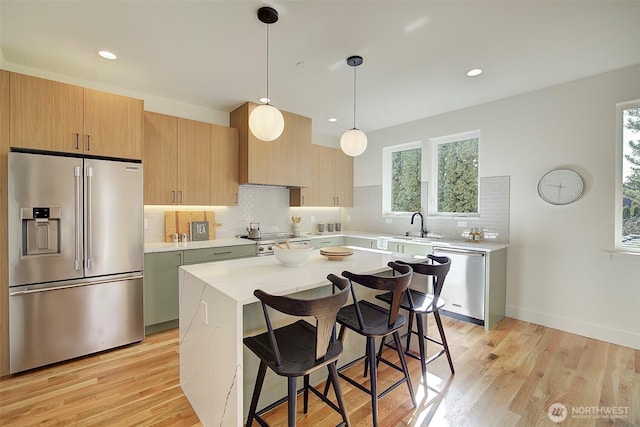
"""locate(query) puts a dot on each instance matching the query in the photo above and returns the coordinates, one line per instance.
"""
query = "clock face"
(561, 186)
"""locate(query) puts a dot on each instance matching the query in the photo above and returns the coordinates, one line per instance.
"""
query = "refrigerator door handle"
(88, 216)
(76, 285)
(78, 222)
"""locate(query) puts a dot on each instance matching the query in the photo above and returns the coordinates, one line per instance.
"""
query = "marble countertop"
(240, 277)
(485, 245)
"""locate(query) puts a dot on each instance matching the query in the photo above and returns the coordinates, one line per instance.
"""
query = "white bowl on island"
(294, 255)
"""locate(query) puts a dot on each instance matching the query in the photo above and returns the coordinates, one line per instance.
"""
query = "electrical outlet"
(203, 312)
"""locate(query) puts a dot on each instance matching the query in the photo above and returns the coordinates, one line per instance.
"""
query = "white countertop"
(240, 277)
(485, 245)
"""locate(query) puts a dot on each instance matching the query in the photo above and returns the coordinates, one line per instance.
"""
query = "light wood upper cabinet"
(112, 125)
(54, 116)
(189, 162)
(224, 165)
(284, 161)
(46, 115)
(332, 180)
(194, 162)
(4, 282)
(344, 179)
(160, 159)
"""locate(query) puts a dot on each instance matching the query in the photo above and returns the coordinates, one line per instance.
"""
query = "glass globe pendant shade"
(266, 122)
(353, 142)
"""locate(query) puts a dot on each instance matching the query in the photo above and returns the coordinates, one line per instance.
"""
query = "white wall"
(561, 270)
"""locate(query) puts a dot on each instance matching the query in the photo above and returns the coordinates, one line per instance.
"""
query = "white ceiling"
(416, 53)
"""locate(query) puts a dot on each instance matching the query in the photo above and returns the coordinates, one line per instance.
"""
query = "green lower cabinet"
(161, 290)
(195, 256)
(161, 303)
(361, 242)
(324, 242)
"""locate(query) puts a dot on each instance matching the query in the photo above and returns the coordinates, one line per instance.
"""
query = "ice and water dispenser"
(40, 231)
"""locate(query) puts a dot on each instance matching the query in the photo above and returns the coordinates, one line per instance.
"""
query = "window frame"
(434, 143)
(619, 169)
(386, 176)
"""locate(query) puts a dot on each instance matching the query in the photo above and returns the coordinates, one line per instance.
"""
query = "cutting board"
(178, 222)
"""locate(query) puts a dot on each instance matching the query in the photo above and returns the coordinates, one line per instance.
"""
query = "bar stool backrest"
(396, 284)
(324, 310)
(438, 271)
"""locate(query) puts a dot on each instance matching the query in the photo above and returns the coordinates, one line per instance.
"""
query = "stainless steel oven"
(266, 242)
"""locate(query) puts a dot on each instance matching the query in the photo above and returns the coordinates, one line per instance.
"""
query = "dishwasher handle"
(457, 251)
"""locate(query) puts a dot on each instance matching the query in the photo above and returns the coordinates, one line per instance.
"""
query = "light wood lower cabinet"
(161, 269)
(187, 162)
(54, 116)
(331, 180)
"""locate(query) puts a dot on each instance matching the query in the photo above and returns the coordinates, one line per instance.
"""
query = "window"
(629, 139)
(456, 174)
(452, 178)
(402, 171)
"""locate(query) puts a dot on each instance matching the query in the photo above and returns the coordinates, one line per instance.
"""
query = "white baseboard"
(591, 330)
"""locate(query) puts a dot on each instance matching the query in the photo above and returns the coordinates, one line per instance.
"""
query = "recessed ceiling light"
(332, 119)
(474, 72)
(107, 55)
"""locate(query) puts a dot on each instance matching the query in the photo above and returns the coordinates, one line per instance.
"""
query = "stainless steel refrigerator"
(76, 253)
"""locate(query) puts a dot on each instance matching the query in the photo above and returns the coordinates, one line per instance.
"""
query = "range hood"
(283, 162)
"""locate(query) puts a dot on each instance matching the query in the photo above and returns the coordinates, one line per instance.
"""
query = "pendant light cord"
(268, 100)
(354, 97)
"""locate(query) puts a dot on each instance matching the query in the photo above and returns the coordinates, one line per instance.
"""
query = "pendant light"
(266, 121)
(354, 141)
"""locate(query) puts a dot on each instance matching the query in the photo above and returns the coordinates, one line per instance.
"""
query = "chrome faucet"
(422, 230)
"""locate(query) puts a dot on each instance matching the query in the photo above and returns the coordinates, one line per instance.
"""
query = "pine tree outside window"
(628, 124)
(402, 169)
(456, 179)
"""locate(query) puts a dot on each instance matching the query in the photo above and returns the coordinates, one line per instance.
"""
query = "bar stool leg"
(423, 363)
(292, 401)
(256, 393)
(306, 393)
(403, 362)
(436, 314)
(371, 352)
(409, 330)
(333, 376)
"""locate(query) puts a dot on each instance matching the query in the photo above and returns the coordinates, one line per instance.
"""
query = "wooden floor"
(508, 376)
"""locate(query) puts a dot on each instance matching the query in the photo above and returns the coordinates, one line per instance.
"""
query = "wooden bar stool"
(373, 321)
(419, 304)
(298, 349)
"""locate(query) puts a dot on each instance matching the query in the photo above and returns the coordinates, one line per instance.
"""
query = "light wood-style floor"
(508, 376)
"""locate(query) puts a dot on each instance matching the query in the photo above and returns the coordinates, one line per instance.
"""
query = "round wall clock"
(561, 186)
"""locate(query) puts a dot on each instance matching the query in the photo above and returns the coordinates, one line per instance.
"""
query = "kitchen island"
(217, 309)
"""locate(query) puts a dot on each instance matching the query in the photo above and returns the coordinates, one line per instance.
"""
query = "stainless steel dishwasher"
(464, 287)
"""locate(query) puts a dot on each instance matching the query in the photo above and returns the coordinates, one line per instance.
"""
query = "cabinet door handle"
(236, 194)
(180, 255)
(302, 200)
(337, 200)
(88, 142)
(77, 142)
(173, 196)
(180, 193)
(222, 253)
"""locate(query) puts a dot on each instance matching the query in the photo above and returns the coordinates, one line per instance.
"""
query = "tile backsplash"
(264, 204)
(270, 207)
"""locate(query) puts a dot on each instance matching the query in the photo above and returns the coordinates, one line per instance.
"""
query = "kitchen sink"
(429, 240)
